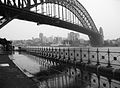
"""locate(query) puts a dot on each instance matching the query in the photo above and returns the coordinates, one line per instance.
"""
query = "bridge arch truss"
(61, 8)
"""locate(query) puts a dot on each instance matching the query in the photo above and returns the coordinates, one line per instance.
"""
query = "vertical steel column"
(58, 11)
(66, 14)
(5, 2)
(22, 3)
(70, 15)
(54, 10)
(36, 5)
(48, 9)
(19, 3)
(78, 22)
(62, 13)
(42, 8)
(73, 18)
(51, 9)
(14, 1)
(28, 3)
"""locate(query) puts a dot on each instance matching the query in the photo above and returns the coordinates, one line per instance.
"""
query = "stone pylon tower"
(101, 31)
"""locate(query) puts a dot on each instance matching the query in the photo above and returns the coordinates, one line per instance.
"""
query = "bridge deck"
(11, 76)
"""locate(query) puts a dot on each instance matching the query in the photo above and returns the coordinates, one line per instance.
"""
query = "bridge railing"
(79, 55)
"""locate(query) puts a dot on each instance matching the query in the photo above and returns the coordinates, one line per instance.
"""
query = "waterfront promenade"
(11, 76)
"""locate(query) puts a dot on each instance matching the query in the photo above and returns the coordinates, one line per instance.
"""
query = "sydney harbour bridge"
(69, 14)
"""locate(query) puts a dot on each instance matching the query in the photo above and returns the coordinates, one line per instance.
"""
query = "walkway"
(11, 76)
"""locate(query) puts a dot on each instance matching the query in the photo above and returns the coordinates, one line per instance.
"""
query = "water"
(49, 74)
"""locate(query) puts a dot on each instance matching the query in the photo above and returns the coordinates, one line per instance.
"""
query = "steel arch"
(72, 5)
(76, 8)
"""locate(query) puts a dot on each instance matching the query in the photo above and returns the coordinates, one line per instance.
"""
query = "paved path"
(12, 77)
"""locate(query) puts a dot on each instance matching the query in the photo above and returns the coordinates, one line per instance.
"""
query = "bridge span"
(68, 14)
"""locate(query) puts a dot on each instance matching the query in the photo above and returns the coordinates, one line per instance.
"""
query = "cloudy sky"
(105, 13)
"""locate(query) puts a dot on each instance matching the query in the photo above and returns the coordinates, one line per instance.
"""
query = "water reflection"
(50, 74)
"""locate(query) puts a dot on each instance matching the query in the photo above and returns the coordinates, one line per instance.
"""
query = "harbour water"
(49, 74)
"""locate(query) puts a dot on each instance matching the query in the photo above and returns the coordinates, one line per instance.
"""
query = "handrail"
(77, 55)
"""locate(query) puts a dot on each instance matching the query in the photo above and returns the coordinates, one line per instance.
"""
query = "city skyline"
(104, 13)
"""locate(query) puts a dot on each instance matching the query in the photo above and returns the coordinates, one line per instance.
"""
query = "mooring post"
(98, 63)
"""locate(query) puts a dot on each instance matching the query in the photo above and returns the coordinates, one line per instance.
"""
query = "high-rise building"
(73, 36)
(57, 40)
(41, 36)
(50, 39)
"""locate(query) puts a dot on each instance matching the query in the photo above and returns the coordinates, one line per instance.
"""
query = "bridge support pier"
(96, 40)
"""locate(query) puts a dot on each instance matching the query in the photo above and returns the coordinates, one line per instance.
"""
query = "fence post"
(81, 60)
(109, 65)
(109, 80)
(63, 53)
(52, 53)
(55, 53)
(68, 54)
(46, 52)
(88, 56)
(74, 55)
(49, 52)
(42, 51)
(98, 63)
(59, 53)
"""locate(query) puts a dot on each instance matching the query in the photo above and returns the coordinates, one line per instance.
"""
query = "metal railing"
(95, 56)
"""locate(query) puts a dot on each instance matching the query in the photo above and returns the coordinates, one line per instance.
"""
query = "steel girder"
(73, 5)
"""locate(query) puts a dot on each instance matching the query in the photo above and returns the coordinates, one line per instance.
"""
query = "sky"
(105, 13)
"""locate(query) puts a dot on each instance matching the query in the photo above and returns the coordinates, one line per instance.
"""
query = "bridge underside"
(17, 13)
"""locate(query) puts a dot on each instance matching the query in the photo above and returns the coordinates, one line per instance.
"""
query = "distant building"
(44, 39)
(82, 41)
(50, 39)
(57, 40)
(73, 36)
(41, 37)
